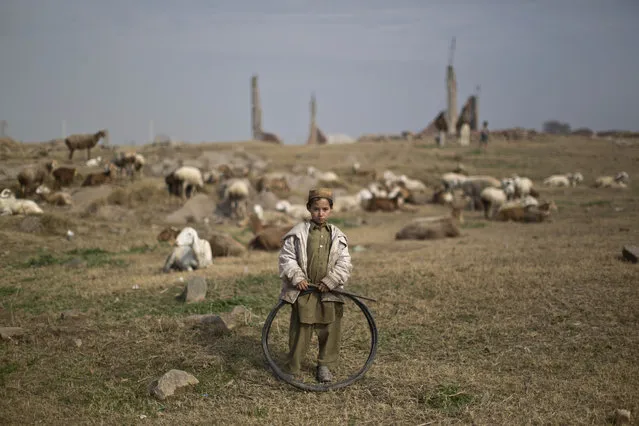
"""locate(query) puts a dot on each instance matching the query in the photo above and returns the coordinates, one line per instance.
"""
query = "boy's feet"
(324, 374)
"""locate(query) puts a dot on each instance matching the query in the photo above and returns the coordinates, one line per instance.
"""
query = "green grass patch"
(8, 291)
(5, 370)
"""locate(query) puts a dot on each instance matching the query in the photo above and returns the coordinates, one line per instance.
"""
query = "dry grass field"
(509, 324)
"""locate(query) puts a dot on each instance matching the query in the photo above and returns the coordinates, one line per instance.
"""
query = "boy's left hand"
(323, 288)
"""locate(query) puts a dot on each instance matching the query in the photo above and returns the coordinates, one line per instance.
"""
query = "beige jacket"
(293, 262)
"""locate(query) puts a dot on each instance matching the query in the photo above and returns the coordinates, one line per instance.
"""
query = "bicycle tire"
(329, 386)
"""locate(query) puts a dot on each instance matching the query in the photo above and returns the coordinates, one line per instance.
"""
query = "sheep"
(85, 141)
(32, 176)
(190, 252)
(377, 190)
(94, 162)
(620, 180)
(433, 228)
(557, 181)
(523, 187)
(236, 192)
(453, 180)
(269, 239)
(64, 176)
(473, 187)
(442, 196)
(131, 162)
(392, 203)
(55, 198)
(10, 205)
(183, 178)
(272, 182)
(95, 179)
(296, 211)
(413, 185)
(492, 198)
(522, 214)
(324, 177)
(347, 203)
(223, 245)
(168, 234)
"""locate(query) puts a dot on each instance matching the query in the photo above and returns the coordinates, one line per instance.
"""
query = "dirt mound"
(195, 210)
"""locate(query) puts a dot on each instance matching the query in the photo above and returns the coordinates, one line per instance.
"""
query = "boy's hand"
(323, 288)
(302, 285)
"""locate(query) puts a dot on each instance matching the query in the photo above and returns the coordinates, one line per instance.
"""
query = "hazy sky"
(375, 66)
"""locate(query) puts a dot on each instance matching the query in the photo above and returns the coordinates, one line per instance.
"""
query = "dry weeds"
(509, 324)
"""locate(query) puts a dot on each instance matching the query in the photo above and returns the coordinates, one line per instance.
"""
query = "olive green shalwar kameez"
(309, 313)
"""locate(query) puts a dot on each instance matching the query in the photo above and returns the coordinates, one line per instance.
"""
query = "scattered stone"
(77, 342)
(8, 333)
(620, 417)
(630, 253)
(195, 290)
(224, 323)
(166, 385)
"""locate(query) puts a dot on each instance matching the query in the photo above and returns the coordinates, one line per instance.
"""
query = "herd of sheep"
(246, 194)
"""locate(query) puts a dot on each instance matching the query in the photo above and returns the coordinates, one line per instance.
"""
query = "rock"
(166, 385)
(223, 323)
(630, 253)
(620, 417)
(195, 290)
(8, 333)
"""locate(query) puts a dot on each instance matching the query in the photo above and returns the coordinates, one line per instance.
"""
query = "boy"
(316, 253)
(483, 136)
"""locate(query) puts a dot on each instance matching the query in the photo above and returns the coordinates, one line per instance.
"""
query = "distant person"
(483, 135)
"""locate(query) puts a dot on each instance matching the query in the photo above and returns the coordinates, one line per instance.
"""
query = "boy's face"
(320, 210)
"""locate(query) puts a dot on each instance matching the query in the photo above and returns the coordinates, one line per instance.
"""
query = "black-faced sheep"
(85, 141)
(31, 177)
(184, 181)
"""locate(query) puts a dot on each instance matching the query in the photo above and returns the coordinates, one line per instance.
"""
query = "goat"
(85, 141)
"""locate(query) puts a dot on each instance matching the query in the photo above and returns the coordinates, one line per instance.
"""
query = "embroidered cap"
(320, 193)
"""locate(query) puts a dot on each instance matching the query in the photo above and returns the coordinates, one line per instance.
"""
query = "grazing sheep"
(327, 178)
(95, 179)
(523, 187)
(358, 171)
(432, 228)
(64, 176)
(473, 187)
(492, 198)
(94, 162)
(236, 192)
(10, 205)
(557, 181)
(85, 141)
(30, 177)
(296, 211)
(183, 178)
(520, 213)
(453, 180)
(190, 252)
(130, 162)
(55, 198)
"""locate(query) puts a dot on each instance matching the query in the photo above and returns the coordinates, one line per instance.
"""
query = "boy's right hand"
(302, 285)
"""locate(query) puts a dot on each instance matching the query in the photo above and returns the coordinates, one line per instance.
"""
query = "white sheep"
(347, 203)
(378, 190)
(453, 180)
(237, 192)
(296, 211)
(190, 252)
(325, 177)
(620, 180)
(557, 181)
(179, 180)
(523, 186)
(10, 205)
(413, 185)
(94, 162)
(492, 198)
(56, 198)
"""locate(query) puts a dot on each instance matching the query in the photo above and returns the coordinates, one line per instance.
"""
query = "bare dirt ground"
(509, 324)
